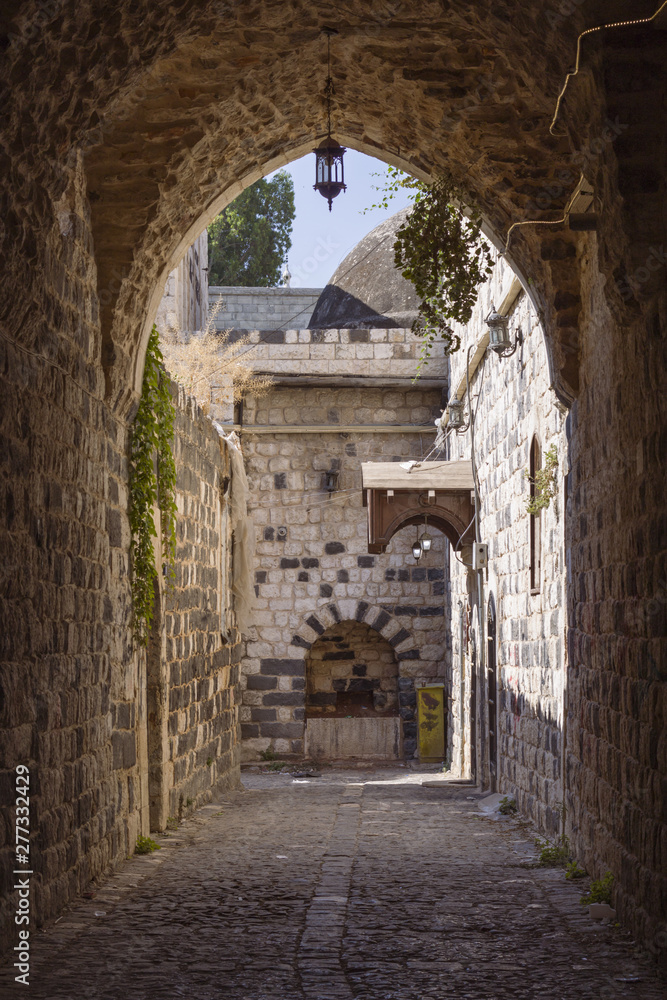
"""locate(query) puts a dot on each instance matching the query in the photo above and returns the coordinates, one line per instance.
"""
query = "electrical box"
(431, 722)
(480, 555)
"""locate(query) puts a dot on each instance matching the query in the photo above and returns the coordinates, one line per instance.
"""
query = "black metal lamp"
(329, 169)
(456, 417)
(331, 480)
(499, 337)
(417, 549)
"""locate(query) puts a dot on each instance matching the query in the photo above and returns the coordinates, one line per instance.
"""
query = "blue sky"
(322, 239)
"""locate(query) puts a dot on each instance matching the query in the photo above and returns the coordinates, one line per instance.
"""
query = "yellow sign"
(431, 722)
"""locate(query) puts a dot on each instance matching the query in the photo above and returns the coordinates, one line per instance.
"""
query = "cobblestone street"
(355, 884)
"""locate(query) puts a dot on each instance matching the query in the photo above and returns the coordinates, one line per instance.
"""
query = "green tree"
(248, 241)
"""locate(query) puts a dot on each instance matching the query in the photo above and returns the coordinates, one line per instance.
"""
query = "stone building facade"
(511, 648)
(185, 301)
(236, 307)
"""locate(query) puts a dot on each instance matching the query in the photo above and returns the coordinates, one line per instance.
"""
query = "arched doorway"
(352, 695)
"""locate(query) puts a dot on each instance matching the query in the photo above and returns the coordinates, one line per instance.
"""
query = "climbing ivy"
(442, 252)
(544, 483)
(152, 483)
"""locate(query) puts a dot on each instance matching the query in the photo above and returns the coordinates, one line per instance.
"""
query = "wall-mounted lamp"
(331, 480)
(457, 419)
(499, 336)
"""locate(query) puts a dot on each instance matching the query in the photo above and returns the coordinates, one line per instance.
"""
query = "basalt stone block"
(405, 609)
(297, 640)
(381, 620)
(123, 744)
(334, 548)
(289, 563)
(343, 576)
(343, 654)
(248, 731)
(303, 576)
(366, 562)
(262, 715)
(260, 576)
(418, 575)
(325, 590)
(406, 684)
(269, 534)
(362, 608)
(407, 654)
(410, 730)
(284, 698)
(400, 637)
(298, 684)
(315, 624)
(280, 667)
(339, 684)
(359, 670)
(309, 563)
(257, 682)
(436, 574)
(431, 612)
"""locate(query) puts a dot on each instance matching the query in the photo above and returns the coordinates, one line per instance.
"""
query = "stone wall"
(116, 740)
(313, 566)
(184, 304)
(513, 405)
(202, 653)
(262, 308)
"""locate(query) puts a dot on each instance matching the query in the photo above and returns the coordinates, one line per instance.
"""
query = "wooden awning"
(397, 494)
(440, 476)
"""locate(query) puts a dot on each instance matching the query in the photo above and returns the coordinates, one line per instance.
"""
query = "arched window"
(535, 521)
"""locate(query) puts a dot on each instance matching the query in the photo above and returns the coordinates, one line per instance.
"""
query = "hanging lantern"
(417, 549)
(426, 541)
(329, 170)
(499, 338)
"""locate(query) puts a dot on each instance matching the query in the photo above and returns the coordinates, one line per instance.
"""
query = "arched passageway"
(127, 130)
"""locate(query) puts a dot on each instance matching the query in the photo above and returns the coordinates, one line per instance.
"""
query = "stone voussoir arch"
(316, 623)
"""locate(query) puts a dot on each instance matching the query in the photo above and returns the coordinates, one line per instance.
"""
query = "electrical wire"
(591, 31)
(570, 75)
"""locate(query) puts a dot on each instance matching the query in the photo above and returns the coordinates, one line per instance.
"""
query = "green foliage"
(267, 754)
(248, 241)
(145, 845)
(553, 855)
(276, 765)
(209, 761)
(544, 482)
(442, 252)
(172, 823)
(573, 871)
(600, 891)
(152, 482)
(394, 181)
(507, 806)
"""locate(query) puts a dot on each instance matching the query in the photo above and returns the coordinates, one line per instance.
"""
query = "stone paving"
(357, 884)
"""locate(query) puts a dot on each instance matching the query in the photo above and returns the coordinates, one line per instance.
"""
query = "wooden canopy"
(397, 494)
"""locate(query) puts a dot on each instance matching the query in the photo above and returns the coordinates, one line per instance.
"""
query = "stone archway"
(352, 695)
(128, 127)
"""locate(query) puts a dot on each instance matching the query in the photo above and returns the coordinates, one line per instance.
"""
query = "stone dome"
(366, 289)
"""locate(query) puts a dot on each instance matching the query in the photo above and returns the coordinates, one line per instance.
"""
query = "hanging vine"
(152, 483)
(442, 252)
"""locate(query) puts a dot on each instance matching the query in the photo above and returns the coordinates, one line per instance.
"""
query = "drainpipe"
(481, 687)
